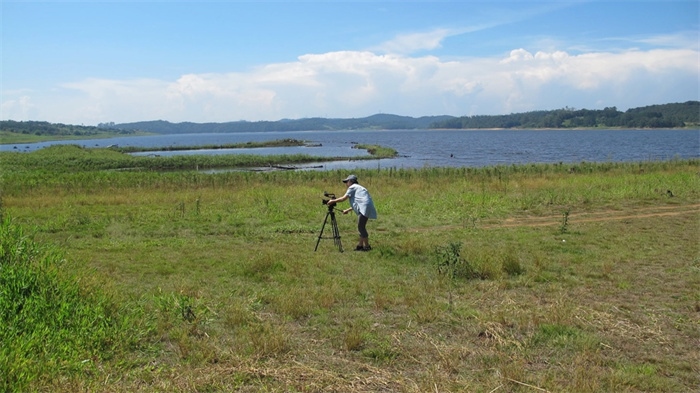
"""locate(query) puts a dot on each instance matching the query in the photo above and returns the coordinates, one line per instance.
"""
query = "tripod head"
(329, 195)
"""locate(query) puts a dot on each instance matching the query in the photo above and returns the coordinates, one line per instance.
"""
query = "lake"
(436, 148)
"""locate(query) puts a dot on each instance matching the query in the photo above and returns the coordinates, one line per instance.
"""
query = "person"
(361, 202)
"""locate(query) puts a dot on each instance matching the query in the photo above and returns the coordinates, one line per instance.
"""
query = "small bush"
(451, 263)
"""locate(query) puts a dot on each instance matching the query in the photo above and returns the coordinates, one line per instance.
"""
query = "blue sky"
(87, 62)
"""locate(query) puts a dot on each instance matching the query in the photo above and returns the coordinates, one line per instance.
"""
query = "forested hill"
(380, 121)
(654, 116)
(44, 128)
(685, 114)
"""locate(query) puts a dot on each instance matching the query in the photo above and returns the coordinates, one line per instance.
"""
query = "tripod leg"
(336, 233)
(320, 235)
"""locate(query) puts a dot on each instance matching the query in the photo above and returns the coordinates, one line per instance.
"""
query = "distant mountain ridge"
(655, 116)
(675, 115)
(378, 121)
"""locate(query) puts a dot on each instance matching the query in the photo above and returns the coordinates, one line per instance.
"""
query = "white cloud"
(357, 84)
(404, 44)
(686, 39)
(409, 43)
(21, 107)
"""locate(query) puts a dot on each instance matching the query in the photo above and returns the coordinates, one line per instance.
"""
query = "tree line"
(44, 128)
(654, 116)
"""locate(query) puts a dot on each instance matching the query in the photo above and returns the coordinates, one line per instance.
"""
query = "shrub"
(451, 263)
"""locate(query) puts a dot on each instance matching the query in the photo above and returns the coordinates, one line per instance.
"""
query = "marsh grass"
(243, 145)
(64, 158)
(214, 281)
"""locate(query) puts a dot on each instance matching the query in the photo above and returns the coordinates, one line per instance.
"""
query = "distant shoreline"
(16, 139)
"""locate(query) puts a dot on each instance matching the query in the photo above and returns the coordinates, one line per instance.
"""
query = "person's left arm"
(341, 199)
(336, 200)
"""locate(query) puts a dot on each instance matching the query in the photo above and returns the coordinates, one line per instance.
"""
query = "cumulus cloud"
(361, 83)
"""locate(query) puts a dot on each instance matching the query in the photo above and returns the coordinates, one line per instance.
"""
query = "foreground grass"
(52, 326)
(577, 277)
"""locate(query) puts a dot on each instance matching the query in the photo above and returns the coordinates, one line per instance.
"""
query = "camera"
(327, 195)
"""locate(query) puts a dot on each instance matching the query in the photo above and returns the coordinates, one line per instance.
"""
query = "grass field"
(571, 277)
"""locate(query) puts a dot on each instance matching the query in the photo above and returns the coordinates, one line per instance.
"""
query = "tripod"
(334, 226)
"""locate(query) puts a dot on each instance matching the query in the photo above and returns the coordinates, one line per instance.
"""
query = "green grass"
(214, 279)
(11, 138)
(73, 158)
(51, 326)
(244, 145)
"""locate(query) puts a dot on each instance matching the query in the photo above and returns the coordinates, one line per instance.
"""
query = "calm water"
(421, 148)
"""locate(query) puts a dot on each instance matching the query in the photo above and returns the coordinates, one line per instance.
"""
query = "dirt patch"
(596, 216)
(601, 216)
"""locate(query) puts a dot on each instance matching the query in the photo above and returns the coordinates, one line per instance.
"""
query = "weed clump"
(451, 263)
(564, 227)
(482, 265)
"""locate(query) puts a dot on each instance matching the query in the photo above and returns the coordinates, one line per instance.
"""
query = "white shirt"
(361, 201)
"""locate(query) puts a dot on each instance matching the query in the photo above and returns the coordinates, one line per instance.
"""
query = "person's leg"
(365, 243)
(362, 229)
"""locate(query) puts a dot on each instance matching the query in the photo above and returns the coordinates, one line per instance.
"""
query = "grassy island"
(71, 158)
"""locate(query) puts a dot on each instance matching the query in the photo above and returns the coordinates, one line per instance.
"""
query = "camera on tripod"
(327, 195)
(334, 224)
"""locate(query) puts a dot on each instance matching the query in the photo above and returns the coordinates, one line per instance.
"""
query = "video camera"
(328, 195)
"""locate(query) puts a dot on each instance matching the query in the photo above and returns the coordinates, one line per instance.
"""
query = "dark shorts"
(361, 225)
